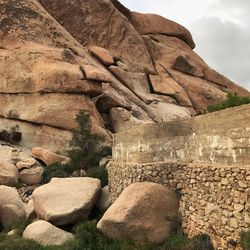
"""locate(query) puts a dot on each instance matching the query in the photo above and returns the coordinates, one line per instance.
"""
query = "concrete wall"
(220, 137)
(213, 200)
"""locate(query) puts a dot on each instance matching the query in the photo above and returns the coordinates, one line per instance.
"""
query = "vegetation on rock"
(86, 147)
(86, 151)
(245, 240)
(232, 100)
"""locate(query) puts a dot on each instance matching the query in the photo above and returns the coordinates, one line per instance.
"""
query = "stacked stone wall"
(213, 199)
(205, 160)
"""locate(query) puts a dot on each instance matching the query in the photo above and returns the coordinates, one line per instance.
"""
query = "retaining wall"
(205, 160)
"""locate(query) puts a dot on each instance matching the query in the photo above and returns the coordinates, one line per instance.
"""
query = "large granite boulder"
(144, 212)
(67, 200)
(46, 234)
(154, 24)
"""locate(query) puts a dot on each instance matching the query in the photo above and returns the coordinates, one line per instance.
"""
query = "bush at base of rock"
(233, 100)
(88, 237)
(56, 170)
(99, 173)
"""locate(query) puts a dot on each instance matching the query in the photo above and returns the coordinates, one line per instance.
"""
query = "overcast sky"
(220, 28)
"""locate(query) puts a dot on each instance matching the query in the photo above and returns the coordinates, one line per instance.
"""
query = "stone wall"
(205, 159)
(220, 137)
(213, 199)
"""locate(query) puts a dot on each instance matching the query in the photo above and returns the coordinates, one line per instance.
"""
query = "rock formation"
(124, 68)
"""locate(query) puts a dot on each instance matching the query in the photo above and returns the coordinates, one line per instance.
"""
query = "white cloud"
(221, 30)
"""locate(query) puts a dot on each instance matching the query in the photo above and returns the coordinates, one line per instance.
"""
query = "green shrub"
(232, 100)
(88, 237)
(56, 170)
(245, 240)
(86, 148)
(99, 173)
(202, 242)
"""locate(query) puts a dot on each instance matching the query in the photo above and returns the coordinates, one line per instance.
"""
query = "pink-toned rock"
(201, 92)
(8, 173)
(93, 73)
(56, 110)
(136, 82)
(144, 212)
(48, 157)
(215, 77)
(154, 24)
(105, 26)
(102, 55)
(164, 84)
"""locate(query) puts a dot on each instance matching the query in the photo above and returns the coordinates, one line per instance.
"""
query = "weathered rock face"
(65, 201)
(144, 212)
(154, 24)
(102, 58)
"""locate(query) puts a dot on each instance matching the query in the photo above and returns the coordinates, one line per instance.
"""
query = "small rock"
(79, 173)
(104, 161)
(30, 210)
(122, 65)
(27, 163)
(242, 184)
(224, 181)
(233, 223)
(95, 74)
(8, 173)
(12, 232)
(104, 201)
(102, 55)
(32, 176)
(46, 234)
(239, 207)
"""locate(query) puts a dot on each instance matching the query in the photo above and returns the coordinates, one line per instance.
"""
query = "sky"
(220, 28)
